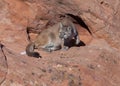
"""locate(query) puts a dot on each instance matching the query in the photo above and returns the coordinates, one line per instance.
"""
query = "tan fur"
(48, 40)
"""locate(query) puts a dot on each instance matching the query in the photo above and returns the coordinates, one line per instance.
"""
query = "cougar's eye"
(69, 28)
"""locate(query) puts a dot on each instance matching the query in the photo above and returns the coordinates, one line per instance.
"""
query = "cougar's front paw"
(77, 42)
(65, 48)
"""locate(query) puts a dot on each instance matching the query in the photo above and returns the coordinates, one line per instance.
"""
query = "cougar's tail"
(30, 51)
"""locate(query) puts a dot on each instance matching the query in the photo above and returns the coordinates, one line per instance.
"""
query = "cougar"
(54, 38)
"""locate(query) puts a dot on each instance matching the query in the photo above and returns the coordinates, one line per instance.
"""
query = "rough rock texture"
(95, 64)
(102, 17)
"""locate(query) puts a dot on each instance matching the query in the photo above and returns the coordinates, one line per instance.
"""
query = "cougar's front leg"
(64, 45)
(77, 40)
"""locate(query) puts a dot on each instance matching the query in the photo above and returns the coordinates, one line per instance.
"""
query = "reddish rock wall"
(96, 64)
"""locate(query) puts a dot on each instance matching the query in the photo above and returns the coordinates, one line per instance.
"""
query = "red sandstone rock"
(96, 64)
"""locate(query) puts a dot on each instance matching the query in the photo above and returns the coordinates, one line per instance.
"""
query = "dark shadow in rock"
(81, 44)
(3, 65)
(72, 43)
(1, 45)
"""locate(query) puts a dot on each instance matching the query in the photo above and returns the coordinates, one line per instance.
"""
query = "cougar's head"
(65, 31)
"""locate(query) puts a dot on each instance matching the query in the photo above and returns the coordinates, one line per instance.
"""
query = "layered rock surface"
(95, 64)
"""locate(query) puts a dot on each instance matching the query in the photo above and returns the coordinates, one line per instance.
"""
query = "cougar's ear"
(61, 25)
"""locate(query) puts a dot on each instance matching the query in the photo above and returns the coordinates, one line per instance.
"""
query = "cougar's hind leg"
(48, 47)
(54, 48)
